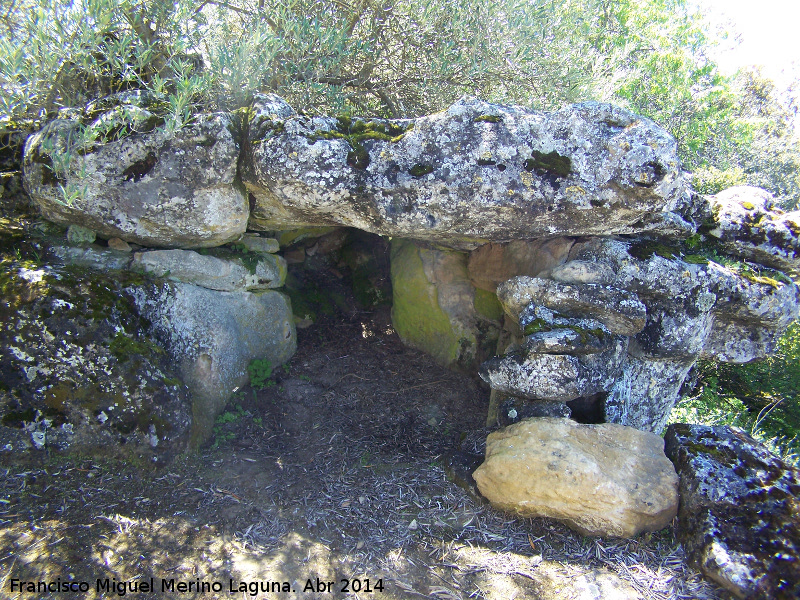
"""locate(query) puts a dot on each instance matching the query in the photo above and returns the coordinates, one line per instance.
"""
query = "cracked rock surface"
(738, 518)
(473, 173)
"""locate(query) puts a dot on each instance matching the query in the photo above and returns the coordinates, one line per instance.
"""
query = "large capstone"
(474, 173)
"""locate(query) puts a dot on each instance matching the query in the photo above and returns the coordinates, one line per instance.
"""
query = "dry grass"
(334, 471)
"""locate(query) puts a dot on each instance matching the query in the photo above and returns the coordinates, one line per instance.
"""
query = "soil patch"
(332, 472)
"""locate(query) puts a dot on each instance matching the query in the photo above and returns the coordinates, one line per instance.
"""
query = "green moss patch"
(645, 249)
(419, 170)
(357, 131)
(416, 315)
(551, 162)
(487, 305)
(123, 347)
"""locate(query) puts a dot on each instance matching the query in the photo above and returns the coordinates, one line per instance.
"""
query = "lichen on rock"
(80, 373)
(457, 179)
(151, 187)
(738, 519)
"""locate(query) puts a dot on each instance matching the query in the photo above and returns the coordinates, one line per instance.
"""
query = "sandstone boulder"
(474, 173)
(607, 479)
(154, 188)
(492, 264)
(213, 336)
(739, 518)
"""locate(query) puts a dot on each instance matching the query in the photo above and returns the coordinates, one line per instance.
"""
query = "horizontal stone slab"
(559, 377)
(619, 310)
(263, 272)
(473, 173)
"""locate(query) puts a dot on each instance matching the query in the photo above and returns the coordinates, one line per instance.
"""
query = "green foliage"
(762, 397)
(260, 371)
(708, 179)
(398, 59)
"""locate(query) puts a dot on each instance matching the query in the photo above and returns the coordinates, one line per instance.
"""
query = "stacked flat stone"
(634, 337)
(565, 353)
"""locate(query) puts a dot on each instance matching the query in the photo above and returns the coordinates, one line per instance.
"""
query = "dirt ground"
(328, 482)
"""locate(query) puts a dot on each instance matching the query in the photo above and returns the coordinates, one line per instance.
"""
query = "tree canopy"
(404, 58)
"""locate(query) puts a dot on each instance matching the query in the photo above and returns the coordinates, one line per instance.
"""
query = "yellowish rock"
(607, 479)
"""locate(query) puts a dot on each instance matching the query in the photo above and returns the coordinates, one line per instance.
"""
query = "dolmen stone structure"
(563, 255)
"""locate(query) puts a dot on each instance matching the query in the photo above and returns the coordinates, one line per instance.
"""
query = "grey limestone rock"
(212, 336)
(686, 308)
(93, 257)
(738, 518)
(154, 188)
(547, 332)
(583, 271)
(214, 273)
(476, 172)
(255, 243)
(560, 377)
(80, 374)
(748, 224)
(619, 310)
(513, 410)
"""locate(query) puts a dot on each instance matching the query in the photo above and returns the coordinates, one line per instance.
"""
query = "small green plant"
(760, 397)
(260, 371)
(229, 416)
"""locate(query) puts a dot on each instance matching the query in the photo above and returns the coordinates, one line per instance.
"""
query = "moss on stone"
(123, 346)
(551, 162)
(536, 326)
(293, 236)
(488, 119)
(419, 170)
(416, 315)
(487, 305)
(357, 131)
(645, 249)
(695, 259)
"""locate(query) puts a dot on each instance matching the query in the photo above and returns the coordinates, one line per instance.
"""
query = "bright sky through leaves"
(768, 30)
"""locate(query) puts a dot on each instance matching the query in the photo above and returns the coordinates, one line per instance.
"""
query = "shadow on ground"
(332, 473)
